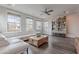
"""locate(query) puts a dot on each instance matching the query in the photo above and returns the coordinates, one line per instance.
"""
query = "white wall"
(48, 30)
(49, 27)
(3, 20)
(73, 25)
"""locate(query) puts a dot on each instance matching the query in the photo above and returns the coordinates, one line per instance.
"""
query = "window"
(29, 24)
(38, 25)
(45, 27)
(13, 23)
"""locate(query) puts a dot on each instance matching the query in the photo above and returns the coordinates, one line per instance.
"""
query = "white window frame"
(14, 22)
(45, 27)
(38, 23)
(28, 24)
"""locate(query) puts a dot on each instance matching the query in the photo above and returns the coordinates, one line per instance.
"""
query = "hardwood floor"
(55, 45)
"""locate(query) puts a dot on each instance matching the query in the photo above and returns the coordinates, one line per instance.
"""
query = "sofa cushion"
(19, 47)
(13, 41)
(3, 41)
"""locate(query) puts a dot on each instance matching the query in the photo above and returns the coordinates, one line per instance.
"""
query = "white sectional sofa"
(12, 46)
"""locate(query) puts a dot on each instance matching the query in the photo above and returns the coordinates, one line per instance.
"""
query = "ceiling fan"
(47, 11)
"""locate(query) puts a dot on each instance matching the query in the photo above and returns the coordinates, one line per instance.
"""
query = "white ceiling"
(35, 9)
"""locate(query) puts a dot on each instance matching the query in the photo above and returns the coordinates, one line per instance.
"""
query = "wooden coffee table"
(38, 41)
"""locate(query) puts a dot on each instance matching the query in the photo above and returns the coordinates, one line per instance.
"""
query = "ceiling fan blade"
(50, 11)
(47, 13)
